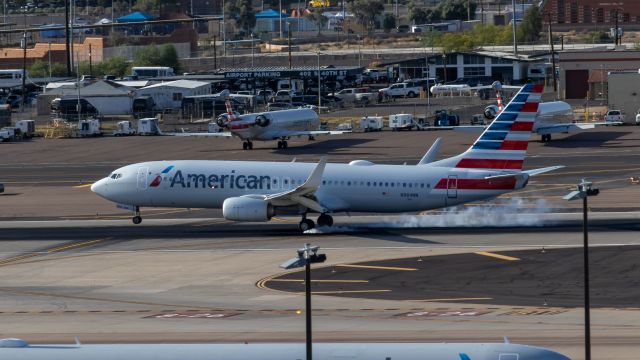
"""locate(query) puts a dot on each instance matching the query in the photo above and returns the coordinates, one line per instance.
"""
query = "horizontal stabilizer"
(542, 170)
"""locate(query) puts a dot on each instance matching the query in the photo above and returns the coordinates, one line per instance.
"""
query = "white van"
(295, 85)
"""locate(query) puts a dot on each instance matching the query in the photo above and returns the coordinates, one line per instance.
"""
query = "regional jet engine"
(490, 112)
(222, 120)
(246, 209)
(262, 120)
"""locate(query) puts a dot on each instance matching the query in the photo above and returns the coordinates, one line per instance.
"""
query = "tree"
(531, 25)
(116, 65)
(456, 9)
(367, 11)
(152, 55)
(148, 56)
(317, 18)
(169, 57)
(242, 13)
(40, 68)
(388, 22)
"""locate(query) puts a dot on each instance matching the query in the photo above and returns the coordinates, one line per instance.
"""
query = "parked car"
(274, 106)
(403, 28)
(282, 96)
(614, 116)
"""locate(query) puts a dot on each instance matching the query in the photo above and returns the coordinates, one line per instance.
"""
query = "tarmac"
(72, 264)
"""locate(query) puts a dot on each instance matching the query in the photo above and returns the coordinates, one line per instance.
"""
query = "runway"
(73, 265)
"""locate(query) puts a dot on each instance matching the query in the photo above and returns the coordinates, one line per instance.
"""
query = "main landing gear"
(247, 145)
(546, 138)
(308, 224)
(137, 219)
(282, 144)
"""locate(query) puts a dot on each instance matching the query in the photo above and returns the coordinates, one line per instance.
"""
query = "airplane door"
(452, 186)
(508, 357)
(142, 178)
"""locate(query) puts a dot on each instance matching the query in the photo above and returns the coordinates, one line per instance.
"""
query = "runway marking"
(452, 299)
(320, 281)
(376, 267)
(63, 248)
(82, 186)
(14, 259)
(347, 292)
(497, 256)
(282, 220)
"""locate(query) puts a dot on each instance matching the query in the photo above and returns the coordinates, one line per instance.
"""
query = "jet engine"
(490, 112)
(262, 120)
(222, 120)
(247, 209)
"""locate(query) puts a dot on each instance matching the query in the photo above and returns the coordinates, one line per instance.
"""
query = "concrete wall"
(183, 49)
(624, 93)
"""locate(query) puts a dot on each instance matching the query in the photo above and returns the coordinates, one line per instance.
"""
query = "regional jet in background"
(257, 191)
(268, 126)
(19, 349)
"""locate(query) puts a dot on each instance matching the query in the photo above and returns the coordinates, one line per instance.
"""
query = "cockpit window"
(115, 176)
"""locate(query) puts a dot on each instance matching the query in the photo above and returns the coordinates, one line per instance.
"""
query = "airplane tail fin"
(503, 144)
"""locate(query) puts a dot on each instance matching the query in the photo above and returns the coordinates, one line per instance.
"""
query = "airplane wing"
(317, 132)
(549, 128)
(207, 134)
(302, 194)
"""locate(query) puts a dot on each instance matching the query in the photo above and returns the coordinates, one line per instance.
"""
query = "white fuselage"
(282, 124)
(284, 351)
(362, 188)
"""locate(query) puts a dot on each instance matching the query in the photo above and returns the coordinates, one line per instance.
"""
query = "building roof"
(187, 84)
(98, 88)
(270, 14)
(135, 16)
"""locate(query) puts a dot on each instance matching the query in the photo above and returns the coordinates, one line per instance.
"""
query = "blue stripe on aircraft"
(520, 98)
(167, 169)
(494, 135)
(500, 126)
(464, 356)
(507, 117)
(487, 145)
(527, 88)
(514, 107)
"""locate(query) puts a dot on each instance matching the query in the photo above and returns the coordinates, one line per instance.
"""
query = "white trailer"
(27, 128)
(89, 127)
(401, 122)
(371, 123)
(148, 126)
(124, 128)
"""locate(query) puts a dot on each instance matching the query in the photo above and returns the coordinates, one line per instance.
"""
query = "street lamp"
(252, 49)
(319, 92)
(444, 66)
(306, 256)
(585, 190)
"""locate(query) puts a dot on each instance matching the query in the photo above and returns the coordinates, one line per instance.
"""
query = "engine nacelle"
(222, 120)
(490, 112)
(246, 209)
(262, 120)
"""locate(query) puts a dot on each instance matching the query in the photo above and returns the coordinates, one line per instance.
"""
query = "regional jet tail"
(19, 349)
(257, 191)
(268, 126)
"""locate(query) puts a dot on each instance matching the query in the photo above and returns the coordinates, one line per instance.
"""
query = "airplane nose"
(99, 187)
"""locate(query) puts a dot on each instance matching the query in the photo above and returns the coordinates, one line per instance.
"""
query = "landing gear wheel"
(279, 144)
(284, 144)
(325, 220)
(546, 138)
(137, 219)
(245, 146)
(306, 224)
(250, 144)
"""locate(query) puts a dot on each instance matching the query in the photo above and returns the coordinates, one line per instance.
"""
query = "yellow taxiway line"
(82, 186)
(454, 299)
(376, 267)
(497, 256)
(347, 292)
(321, 281)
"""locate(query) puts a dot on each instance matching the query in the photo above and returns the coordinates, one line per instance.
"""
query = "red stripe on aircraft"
(522, 126)
(514, 145)
(490, 164)
(538, 88)
(156, 181)
(503, 183)
(530, 107)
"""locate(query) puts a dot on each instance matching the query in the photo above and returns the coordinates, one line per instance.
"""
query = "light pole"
(224, 33)
(585, 190)
(513, 17)
(306, 256)
(252, 49)
(444, 67)
(319, 92)
(23, 43)
(280, 4)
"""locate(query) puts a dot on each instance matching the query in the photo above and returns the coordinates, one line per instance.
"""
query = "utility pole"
(289, 42)
(553, 57)
(513, 13)
(90, 62)
(66, 35)
(215, 54)
(617, 35)
(23, 43)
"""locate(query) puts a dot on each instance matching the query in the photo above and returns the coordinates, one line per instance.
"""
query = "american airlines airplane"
(267, 126)
(257, 191)
(19, 349)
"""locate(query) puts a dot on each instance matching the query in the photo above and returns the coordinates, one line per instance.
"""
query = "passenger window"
(386, 184)
(368, 183)
(404, 184)
(348, 183)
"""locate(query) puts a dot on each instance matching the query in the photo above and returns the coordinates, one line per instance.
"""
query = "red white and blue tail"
(503, 145)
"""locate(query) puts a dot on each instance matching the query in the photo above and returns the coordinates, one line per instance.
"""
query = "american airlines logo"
(230, 181)
(158, 179)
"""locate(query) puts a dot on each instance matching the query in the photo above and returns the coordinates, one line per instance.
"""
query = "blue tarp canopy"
(270, 14)
(135, 16)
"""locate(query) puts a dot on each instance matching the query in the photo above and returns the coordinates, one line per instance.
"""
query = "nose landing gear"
(137, 219)
(282, 144)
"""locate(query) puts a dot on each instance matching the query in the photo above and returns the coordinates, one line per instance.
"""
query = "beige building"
(584, 73)
(624, 93)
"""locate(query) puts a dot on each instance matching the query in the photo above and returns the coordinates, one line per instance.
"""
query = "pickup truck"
(401, 90)
(356, 96)
(614, 116)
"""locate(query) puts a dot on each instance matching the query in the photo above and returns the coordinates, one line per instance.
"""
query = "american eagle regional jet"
(257, 191)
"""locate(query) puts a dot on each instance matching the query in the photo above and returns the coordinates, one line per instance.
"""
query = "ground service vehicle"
(27, 128)
(148, 126)
(401, 122)
(89, 127)
(68, 108)
(124, 128)
(371, 123)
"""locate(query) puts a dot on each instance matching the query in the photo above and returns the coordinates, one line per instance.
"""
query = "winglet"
(464, 356)
(315, 179)
(430, 156)
(506, 340)
(78, 343)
